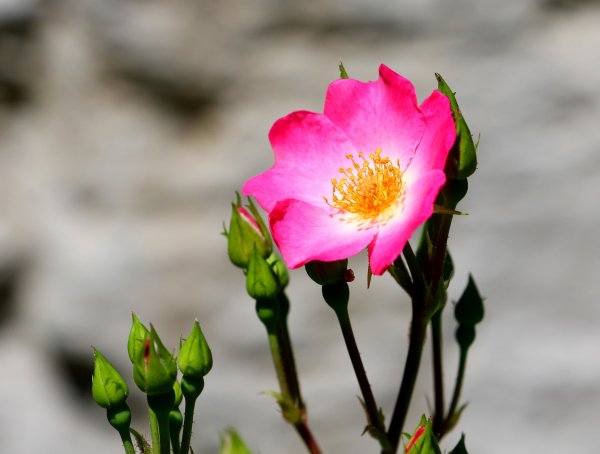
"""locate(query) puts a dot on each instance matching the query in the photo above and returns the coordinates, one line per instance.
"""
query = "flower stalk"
(337, 295)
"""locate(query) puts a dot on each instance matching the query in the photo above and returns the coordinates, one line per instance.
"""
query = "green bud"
(465, 336)
(178, 394)
(232, 443)
(154, 367)
(423, 440)
(279, 269)
(261, 281)
(324, 273)
(462, 160)
(469, 308)
(247, 231)
(460, 448)
(137, 337)
(195, 358)
(454, 191)
(108, 387)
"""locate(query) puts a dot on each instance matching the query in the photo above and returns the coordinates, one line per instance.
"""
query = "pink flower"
(365, 173)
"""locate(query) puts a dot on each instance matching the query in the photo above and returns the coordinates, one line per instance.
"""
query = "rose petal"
(438, 138)
(381, 114)
(309, 150)
(304, 232)
(418, 207)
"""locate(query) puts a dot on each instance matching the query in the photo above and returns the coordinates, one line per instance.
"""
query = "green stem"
(154, 430)
(441, 229)
(462, 363)
(273, 316)
(308, 438)
(191, 387)
(127, 443)
(160, 405)
(188, 420)
(288, 362)
(438, 375)
(411, 368)
(175, 424)
(163, 428)
(365, 388)
(278, 364)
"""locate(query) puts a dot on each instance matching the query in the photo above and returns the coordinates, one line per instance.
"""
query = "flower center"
(369, 188)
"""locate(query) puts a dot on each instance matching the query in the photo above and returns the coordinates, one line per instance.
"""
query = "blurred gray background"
(127, 125)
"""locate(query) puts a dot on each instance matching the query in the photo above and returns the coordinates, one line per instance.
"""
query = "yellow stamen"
(369, 188)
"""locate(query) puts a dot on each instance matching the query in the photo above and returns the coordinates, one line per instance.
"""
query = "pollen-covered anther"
(368, 188)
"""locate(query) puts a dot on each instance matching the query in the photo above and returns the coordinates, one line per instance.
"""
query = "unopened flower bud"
(195, 358)
(137, 337)
(108, 387)
(462, 160)
(469, 308)
(246, 232)
(324, 273)
(422, 440)
(154, 367)
(261, 281)
(280, 270)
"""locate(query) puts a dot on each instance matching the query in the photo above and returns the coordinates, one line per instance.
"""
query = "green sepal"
(327, 272)
(142, 444)
(469, 308)
(137, 337)
(261, 281)
(195, 358)
(232, 443)
(247, 231)
(279, 269)
(343, 72)
(453, 192)
(423, 441)
(454, 418)
(289, 410)
(178, 394)
(155, 367)
(462, 160)
(460, 448)
(448, 270)
(109, 390)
